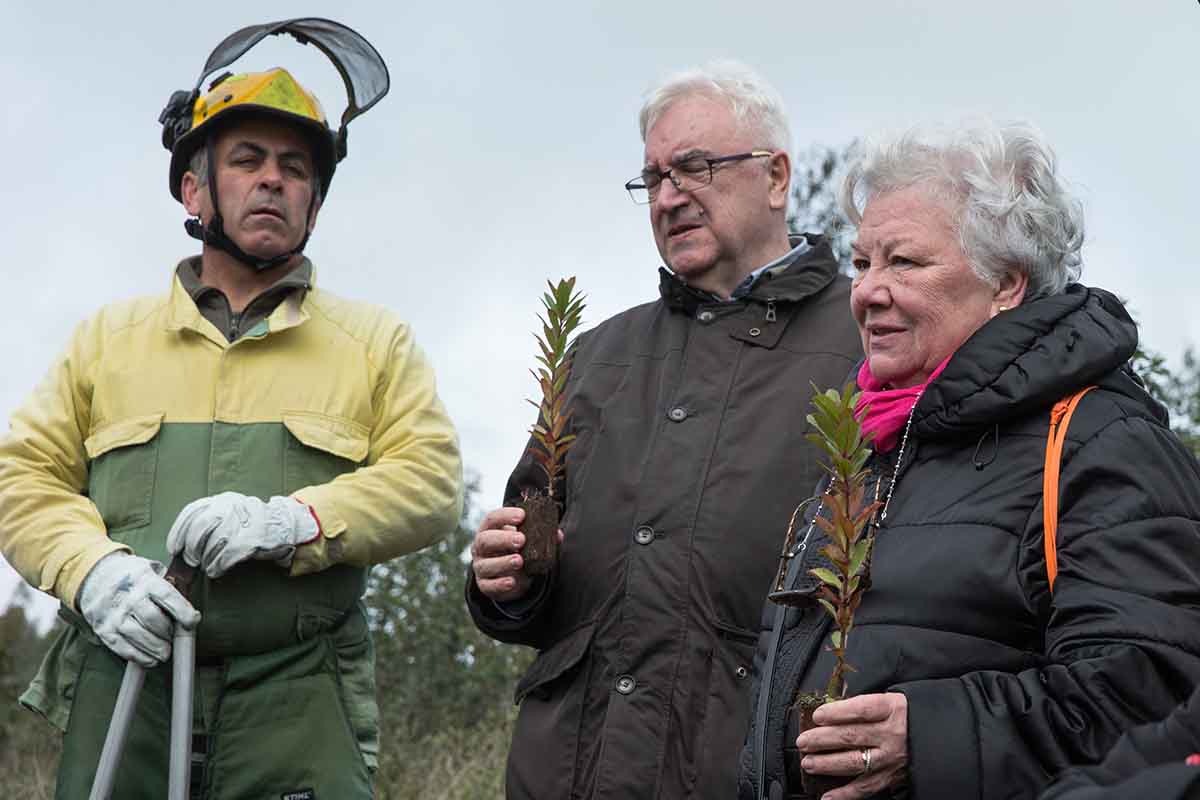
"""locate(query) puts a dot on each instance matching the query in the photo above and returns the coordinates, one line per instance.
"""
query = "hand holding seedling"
(846, 729)
(504, 558)
(496, 557)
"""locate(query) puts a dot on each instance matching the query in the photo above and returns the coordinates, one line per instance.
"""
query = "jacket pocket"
(355, 654)
(320, 447)
(728, 710)
(542, 760)
(123, 459)
(51, 693)
(554, 662)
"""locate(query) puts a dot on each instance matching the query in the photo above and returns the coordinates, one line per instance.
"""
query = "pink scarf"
(884, 411)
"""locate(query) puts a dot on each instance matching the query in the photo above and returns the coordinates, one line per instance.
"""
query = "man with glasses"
(689, 459)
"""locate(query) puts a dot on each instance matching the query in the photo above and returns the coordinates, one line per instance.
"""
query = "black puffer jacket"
(1006, 683)
(1148, 763)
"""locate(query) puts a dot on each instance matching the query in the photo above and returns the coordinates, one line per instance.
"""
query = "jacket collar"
(1024, 360)
(810, 273)
(188, 271)
(184, 314)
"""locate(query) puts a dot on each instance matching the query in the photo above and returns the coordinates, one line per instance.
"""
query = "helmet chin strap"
(213, 234)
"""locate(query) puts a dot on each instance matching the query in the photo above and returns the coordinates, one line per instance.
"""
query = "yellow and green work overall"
(150, 409)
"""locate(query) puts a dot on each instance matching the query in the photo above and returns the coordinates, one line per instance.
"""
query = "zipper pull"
(770, 309)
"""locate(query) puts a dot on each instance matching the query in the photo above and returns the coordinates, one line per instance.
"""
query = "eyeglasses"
(686, 176)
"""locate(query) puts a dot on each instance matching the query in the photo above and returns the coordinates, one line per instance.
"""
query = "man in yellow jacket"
(279, 438)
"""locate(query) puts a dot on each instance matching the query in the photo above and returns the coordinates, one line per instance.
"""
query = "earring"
(1004, 308)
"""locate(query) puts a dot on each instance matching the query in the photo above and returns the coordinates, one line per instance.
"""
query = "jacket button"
(644, 535)
(705, 316)
(741, 672)
(677, 414)
(626, 684)
(755, 331)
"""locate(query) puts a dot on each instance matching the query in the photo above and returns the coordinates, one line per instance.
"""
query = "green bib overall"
(285, 692)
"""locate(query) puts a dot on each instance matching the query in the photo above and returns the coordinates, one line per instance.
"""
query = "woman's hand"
(868, 730)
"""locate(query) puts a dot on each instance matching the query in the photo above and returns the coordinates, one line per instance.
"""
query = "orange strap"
(1060, 417)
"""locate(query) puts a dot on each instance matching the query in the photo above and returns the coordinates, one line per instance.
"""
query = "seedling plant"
(550, 440)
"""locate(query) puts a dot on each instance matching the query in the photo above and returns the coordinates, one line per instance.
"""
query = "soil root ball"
(799, 719)
(541, 533)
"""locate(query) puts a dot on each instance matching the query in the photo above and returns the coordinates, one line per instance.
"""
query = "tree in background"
(1179, 391)
(814, 207)
(445, 690)
(1183, 400)
(28, 746)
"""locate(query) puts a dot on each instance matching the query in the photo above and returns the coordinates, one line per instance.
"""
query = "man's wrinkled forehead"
(709, 125)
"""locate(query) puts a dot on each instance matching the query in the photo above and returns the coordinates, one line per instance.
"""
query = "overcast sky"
(497, 159)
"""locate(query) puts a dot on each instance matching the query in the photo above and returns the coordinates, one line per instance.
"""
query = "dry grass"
(458, 764)
(28, 755)
(454, 764)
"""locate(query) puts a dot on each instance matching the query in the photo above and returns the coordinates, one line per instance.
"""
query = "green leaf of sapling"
(826, 576)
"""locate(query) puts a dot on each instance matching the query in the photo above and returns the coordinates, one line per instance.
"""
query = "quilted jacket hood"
(1026, 359)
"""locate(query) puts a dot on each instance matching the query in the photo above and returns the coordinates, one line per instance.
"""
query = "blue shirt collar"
(783, 262)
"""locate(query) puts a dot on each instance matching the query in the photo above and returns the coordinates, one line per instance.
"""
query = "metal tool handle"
(183, 673)
(180, 575)
(118, 730)
(183, 654)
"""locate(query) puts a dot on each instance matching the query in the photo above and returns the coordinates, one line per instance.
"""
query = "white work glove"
(219, 532)
(131, 607)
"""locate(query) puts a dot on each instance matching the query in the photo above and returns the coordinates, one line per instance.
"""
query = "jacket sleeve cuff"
(325, 550)
(943, 741)
(63, 580)
(513, 618)
(526, 605)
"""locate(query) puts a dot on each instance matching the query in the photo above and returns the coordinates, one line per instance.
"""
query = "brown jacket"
(690, 415)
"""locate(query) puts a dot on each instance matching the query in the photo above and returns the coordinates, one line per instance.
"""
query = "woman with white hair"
(979, 674)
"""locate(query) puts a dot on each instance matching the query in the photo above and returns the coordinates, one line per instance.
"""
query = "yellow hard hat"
(275, 94)
(189, 116)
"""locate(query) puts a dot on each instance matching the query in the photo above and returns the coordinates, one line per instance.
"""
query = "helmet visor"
(357, 61)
